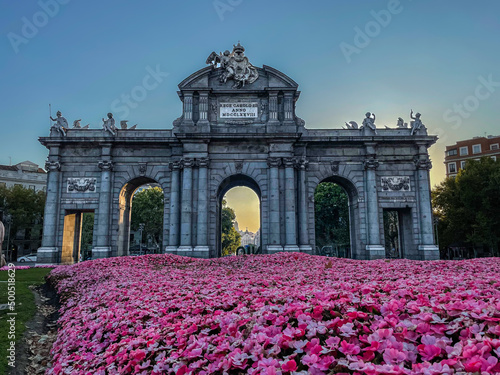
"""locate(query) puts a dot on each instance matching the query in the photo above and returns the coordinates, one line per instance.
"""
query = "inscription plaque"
(239, 110)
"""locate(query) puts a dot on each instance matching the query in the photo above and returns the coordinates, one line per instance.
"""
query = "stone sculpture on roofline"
(109, 124)
(61, 124)
(416, 126)
(234, 66)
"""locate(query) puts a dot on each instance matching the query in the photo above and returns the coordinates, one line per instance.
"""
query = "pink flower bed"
(279, 314)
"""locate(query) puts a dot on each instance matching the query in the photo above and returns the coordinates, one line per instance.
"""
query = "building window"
(494, 147)
(476, 149)
(452, 168)
(464, 150)
(462, 164)
(451, 152)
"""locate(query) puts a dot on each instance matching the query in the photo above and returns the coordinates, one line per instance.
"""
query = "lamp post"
(141, 229)
(8, 221)
(435, 219)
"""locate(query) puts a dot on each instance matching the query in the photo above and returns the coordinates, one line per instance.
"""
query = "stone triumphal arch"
(238, 127)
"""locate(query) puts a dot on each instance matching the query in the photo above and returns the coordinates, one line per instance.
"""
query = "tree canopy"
(230, 238)
(331, 207)
(25, 206)
(468, 205)
(147, 208)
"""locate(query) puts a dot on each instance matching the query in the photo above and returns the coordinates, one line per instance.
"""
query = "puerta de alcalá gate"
(238, 127)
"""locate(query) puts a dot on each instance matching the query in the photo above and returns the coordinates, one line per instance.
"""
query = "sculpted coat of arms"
(234, 65)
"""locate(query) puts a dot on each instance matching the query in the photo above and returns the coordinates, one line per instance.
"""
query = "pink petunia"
(289, 366)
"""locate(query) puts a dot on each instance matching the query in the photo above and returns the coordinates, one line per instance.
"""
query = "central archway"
(226, 185)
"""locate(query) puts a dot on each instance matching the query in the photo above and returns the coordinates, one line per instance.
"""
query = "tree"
(147, 208)
(25, 207)
(468, 206)
(331, 207)
(87, 234)
(230, 238)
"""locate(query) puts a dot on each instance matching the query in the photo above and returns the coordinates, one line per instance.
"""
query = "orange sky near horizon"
(246, 206)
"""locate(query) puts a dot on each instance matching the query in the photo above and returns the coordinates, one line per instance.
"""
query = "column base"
(271, 249)
(429, 252)
(171, 250)
(47, 255)
(201, 252)
(291, 248)
(306, 249)
(101, 252)
(375, 251)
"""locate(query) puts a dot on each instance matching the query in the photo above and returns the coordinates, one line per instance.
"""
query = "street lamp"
(141, 229)
(8, 221)
(435, 220)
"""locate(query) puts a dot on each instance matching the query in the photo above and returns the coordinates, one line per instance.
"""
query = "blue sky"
(82, 56)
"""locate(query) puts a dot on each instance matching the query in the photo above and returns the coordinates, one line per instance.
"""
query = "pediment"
(208, 78)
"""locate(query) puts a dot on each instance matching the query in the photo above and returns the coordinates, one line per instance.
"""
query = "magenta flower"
(289, 366)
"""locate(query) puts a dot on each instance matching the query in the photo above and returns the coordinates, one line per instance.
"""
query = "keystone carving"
(335, 166)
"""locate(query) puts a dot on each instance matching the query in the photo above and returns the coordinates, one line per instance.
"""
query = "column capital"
(203, 162)
(302, 163)
(274, 162)
(187, 162)
(371, 163)
(105, 165)
(289, 162)
(422, 163)
(176, 165)
(52, 165)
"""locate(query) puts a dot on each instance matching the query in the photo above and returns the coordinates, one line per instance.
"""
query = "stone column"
(186, 207)
(188, 108)
(374, 248)
(202, 249)
(173, 234)
(49, 252)
(273, 108)
(427, 247)
(290, 222)
(274, 206)
(103, 249)
(303, 208)
(203, 109)
(288, 105)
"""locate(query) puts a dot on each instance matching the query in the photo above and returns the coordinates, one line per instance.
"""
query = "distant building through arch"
(239, 128)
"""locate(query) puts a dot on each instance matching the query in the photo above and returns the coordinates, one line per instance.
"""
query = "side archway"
(125, 211)
(353, 248)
